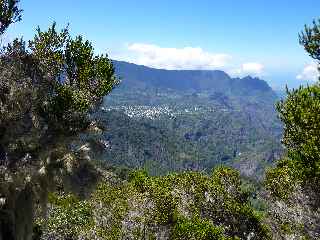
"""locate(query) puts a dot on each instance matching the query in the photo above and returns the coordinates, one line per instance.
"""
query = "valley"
(163, 129)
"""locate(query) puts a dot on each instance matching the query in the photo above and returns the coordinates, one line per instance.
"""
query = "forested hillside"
(164, 129)
(137, 76)
(76, 164)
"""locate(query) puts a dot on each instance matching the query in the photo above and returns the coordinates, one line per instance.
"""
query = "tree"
(294, 182)
(9, 13)
(310, 39)
(48, 89)
(300, 112)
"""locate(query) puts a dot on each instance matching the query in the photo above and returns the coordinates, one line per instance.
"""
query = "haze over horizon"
(258, 38)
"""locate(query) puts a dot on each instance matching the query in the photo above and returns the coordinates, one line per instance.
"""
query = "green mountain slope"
(166, 130)
(138, 76)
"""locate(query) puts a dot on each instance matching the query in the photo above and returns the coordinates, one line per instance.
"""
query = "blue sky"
(241, 37)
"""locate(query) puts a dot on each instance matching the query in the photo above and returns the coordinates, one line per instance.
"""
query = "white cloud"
(176, 58)
(309, 73)
(187, 58)
(250, 68)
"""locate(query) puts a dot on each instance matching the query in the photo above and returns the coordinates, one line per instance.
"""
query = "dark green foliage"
(189, 205)
(226, 176)
(79, 79)
(69, 216)
(294, 182)
(189, 132)
(283, 179)
(136, 76)
(9, 13)
(310, 39)
(197, 229)
(47, 95)
(300, 113)
(39, 98)
(37, 232)
(152, 124)
(139, 179)
(41, 110)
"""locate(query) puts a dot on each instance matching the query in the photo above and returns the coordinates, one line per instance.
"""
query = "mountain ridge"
(176, 120)
(140, 76)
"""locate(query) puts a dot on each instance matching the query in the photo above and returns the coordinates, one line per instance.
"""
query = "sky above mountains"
(253, 37)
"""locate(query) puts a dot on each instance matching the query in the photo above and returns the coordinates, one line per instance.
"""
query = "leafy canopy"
(49, 88)
(310, 39)
(300, 114)
(9, 13)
